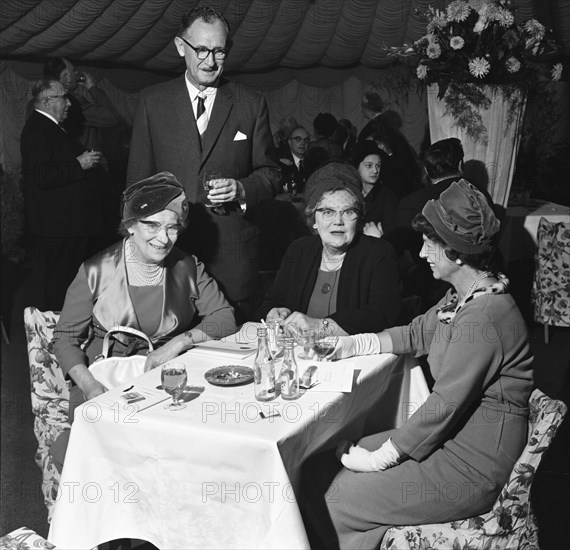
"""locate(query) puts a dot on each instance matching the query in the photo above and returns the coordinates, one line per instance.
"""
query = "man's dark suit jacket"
(62, 199)
(290, 172)
(237, 143)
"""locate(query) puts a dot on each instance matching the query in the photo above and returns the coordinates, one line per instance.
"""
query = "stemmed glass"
(174, 378)
(323, 346)
(306, 337)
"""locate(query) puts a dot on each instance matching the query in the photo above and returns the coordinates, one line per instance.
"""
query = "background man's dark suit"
(237, 143)
(69, 211)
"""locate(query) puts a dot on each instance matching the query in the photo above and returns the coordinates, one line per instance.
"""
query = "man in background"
(292, 168)
(63, 185)
(201, 127)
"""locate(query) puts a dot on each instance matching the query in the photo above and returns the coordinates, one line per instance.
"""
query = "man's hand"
(89, 159)
(226, 190)
(373, 229)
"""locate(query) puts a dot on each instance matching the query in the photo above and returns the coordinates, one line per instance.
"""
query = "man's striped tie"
(201, 115)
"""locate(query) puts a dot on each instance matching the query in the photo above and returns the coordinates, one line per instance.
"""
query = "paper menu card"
(336, 376)
(134, 399)
(241, 345)
(226, 347)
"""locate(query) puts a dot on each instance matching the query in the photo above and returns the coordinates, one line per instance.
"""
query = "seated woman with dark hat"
(142, 282)
(472, 427)
(339, 280)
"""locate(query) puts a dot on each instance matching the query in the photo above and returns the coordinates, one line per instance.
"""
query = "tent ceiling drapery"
(267, 34)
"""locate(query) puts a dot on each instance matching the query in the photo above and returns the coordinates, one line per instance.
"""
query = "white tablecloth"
(214, 475)
(519, 238)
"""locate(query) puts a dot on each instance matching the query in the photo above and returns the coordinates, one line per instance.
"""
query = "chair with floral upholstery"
(551, 285)
(511, 523)
(24, 539)
(50, 395)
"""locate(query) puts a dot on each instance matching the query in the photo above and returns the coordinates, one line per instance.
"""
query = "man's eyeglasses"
(65, 97)
(328, 214)
(202, 52)
(299, 139)
(154, 228)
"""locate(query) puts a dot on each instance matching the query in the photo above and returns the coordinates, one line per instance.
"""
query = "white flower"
(433, 51)
(479, 67)
(513, 65)
(422, 71)
(505, 18)
(535, 29)
(457, 42)
(458, 10)
(556, 72)
(438, 22)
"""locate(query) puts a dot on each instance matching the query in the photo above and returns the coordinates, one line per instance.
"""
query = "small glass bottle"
(289, 376)
(263, 369)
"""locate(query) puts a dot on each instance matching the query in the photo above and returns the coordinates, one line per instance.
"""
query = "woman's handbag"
(116, 371)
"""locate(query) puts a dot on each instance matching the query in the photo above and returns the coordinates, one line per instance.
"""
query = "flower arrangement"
(474, 43)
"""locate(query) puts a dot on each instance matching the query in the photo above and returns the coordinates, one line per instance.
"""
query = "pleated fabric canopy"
(266, 34)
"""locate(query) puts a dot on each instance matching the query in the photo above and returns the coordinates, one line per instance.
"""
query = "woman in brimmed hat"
(142, 282)
(452, 457)
(339, 280)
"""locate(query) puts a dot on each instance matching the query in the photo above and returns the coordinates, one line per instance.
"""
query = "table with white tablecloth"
(520, 227)
(215, 474)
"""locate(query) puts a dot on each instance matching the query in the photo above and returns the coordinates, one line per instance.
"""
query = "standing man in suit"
(200, 124)
(292, 169)
(63, 190)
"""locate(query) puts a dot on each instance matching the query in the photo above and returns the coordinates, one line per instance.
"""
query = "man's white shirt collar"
(47, 115)
(209, 92)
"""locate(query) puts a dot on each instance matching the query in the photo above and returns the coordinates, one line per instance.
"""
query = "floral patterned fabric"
(511, 523)
(24, 539)
(551, 285)
(50, 395)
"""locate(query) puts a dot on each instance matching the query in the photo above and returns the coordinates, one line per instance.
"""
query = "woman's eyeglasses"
(154, 228)
(328, 214)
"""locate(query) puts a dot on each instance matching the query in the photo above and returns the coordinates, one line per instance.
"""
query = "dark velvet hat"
(463, 218)
(332, 176)
(155, 194)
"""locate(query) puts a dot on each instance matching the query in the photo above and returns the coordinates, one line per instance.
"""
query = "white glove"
(358, 459)
(359, 344)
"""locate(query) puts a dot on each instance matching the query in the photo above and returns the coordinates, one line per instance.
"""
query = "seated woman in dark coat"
(338, 280)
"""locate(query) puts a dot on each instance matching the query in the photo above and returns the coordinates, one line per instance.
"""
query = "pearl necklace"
(474, 285)
(141, 274)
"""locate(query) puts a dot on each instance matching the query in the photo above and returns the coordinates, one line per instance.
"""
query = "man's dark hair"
(443, 158)
(325, 124)
(373, 102)
(207, 14)
(53, 67)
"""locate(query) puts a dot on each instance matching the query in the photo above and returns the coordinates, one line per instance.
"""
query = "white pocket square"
(239, 136)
